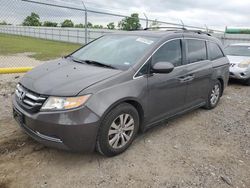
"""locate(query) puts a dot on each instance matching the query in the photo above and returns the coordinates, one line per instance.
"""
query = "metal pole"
(146, 20)
(206, 28)
(183, 25)
(86, 23)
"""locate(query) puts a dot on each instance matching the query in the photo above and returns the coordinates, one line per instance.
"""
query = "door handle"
(190, 77)
(186, 78)
(182, 79)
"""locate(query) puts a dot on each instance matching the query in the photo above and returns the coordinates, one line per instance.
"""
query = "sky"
(215, 14)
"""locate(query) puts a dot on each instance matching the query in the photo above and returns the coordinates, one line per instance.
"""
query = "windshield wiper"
(92, 62)
(99, 64)
(75, 60)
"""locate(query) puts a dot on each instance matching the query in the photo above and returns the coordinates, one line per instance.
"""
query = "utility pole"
(86, 23)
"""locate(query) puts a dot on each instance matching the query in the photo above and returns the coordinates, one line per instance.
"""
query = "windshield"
(238, 50)
(118, 51)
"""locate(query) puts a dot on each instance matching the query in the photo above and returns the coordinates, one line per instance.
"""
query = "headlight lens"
(244, 64)
(64, 103)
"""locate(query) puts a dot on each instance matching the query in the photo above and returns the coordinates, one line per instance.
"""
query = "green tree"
(79, 25)
(90, 25)
(3, 23)
(49, 24)
(67, 23)
(155, 24)
(97, 27)
(111, 25)
(130, 23)
(32, 20)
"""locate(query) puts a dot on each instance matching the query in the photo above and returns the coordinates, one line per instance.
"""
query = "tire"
(215, 91)
(114, 137)
(247, 82)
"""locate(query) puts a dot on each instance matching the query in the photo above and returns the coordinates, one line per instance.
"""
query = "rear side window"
(196, 50)
(214, 51)
(169, 52)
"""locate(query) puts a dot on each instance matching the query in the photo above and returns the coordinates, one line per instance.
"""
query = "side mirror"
(163, 67)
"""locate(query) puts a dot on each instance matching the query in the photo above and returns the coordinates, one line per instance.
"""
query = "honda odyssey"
(100, 96)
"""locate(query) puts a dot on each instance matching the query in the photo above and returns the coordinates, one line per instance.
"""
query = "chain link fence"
(71, 35)
(22, 46)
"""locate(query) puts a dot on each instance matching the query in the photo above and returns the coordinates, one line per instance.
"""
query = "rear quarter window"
(215, 51)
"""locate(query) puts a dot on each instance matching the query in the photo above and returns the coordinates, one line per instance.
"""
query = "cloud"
(213, 13)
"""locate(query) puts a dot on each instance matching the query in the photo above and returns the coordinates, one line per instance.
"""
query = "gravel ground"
(200, 149)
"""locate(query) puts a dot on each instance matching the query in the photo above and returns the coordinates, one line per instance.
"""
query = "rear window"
(214, 51)
(196, 50)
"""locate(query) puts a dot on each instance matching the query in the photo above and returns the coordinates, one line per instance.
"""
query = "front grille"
(29, 100)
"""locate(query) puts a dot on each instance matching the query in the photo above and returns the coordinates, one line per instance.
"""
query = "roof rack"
(167, 28)
(198, 32)
(179, 28)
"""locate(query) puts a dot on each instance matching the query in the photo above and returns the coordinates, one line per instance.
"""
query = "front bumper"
(74, 130)
(239, 73)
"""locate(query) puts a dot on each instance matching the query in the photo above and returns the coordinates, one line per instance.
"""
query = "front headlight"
(244, 64)
(64, 103)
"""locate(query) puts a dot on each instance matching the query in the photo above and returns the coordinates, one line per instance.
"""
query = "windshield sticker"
(145, 41)
(126, 63)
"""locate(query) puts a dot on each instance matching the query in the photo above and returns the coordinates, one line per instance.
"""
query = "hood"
(64, 77)
(237, 59)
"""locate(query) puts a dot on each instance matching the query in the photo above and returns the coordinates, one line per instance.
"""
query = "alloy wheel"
(215, 95)
(121, 131)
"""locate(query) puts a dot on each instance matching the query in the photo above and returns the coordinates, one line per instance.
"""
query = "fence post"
(86, 23)
(52, 33)
(60, 34)
(88, 38)
(77, 38)
(68, 35)
(146, 20)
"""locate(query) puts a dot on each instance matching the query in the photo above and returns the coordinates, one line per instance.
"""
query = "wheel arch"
(222, 85)
(132, 101)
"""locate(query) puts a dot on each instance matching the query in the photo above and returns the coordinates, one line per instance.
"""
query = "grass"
(42, 49)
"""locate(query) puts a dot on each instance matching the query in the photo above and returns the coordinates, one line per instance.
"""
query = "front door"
(167, 92)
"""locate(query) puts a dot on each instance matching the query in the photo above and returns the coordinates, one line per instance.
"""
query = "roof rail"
(199, 32)
(179, 28)
(167, 28)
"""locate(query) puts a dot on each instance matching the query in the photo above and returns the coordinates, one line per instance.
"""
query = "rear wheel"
(214, 95)
(118, 130)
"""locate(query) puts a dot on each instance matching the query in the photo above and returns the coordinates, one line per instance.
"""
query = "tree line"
(128, 23)
(4, 23)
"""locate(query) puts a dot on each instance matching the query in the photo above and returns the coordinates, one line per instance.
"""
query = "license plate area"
(19, 117)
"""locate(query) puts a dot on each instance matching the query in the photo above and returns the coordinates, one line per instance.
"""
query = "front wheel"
(118, 130)
(214, 95)
(247, 82)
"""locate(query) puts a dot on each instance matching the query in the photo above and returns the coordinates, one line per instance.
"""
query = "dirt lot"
(199, 149)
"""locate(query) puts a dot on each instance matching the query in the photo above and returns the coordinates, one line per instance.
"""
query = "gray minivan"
(103, 94)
